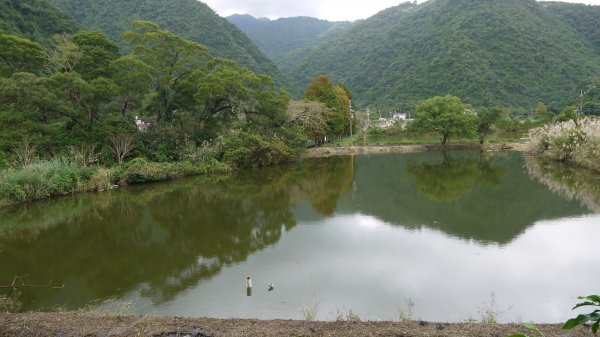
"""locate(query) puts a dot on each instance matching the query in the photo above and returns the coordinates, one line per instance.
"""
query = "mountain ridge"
(277, 38)
(512, 53)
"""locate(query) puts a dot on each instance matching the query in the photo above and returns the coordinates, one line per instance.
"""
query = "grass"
(309, 309)
(60, 176)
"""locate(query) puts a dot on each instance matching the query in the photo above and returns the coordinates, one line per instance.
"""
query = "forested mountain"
(508, 53)
(585, 19)
(277, 38)
(190, 19)
(36, 20)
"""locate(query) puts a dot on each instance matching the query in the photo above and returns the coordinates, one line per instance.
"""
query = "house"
(141, 125)
(399, 116)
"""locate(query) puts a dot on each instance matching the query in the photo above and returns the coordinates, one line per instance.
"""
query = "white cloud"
(333, 10)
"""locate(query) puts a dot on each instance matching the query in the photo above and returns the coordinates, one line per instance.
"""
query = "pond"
(439, 236)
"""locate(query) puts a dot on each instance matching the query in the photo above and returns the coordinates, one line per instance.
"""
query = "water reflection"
(454, 177)
(167, 236)
(467, 194)
(161, 241)
(569, 182)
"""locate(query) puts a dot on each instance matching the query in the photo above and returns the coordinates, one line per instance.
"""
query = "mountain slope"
(585, 19)
(279, 37)
(191, 19)
(36, 20)
(488, 52)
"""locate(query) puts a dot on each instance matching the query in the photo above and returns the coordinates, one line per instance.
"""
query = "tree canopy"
(445, 115)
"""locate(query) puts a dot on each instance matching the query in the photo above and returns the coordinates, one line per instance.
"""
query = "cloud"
(333, 10)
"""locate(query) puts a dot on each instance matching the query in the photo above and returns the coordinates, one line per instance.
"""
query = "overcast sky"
(333, 10)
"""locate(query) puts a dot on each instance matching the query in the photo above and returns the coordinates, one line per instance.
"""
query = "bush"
(245, 150)
(577, 143)
(140, 170)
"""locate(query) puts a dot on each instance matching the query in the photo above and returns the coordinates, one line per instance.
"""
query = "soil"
(347, 150)
(64, 324)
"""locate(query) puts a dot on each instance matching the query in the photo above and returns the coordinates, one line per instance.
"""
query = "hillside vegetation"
(190, 19)
(36, 20)
(511, 53)
(585, 19)
(277, 38)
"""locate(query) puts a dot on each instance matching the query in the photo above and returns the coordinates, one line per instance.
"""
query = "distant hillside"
(585, 19)
(191, 19)
(280, 37)
(36, 20)
(509, 53)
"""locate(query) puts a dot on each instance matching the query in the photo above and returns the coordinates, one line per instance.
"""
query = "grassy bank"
(44, 178)
(55, 177)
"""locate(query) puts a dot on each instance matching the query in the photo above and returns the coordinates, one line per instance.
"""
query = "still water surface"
(365, 235)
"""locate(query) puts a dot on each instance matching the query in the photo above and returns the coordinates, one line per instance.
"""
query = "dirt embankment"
(76, 325)
(347, 150)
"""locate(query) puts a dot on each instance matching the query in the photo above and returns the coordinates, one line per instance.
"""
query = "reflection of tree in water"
(163, 237)
(450, 180)
(567, 181)
(325, 180)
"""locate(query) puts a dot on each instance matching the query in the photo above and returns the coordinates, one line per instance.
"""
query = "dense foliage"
(37, 20)
(583, 18)
(447, 116)
(191, 19)
(72, 110)
(278, 38)
(512, 53)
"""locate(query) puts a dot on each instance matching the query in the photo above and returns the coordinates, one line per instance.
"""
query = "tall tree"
(20, 55)
(446, 115)
(486, 118)
(98, 51)
(170, 59)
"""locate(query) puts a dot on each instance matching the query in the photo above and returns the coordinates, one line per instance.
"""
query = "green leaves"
(445, 115)
(20, 55)
(594, 316)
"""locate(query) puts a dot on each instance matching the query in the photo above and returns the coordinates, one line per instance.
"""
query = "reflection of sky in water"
(358, 263)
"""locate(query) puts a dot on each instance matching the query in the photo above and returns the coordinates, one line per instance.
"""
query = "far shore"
(37, 324)
(325, 151)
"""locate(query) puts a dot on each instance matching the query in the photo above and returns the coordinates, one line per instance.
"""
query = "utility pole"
(350, 112)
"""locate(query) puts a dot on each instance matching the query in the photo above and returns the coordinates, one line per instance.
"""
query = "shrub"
(245, 150)
(577, 143)
(140, 170)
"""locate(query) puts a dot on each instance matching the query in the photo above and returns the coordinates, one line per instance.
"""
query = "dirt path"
(76, 325)
(347, 150)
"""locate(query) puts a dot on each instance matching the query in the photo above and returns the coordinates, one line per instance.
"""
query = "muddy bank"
(347, 150)
(75, 325)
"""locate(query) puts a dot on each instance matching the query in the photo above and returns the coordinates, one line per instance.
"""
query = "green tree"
(446, 115)
(170, 59)
(336, 98)
(486, 119)
(133, 78)
(541, 111)
(20, 55)
(97, 54)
